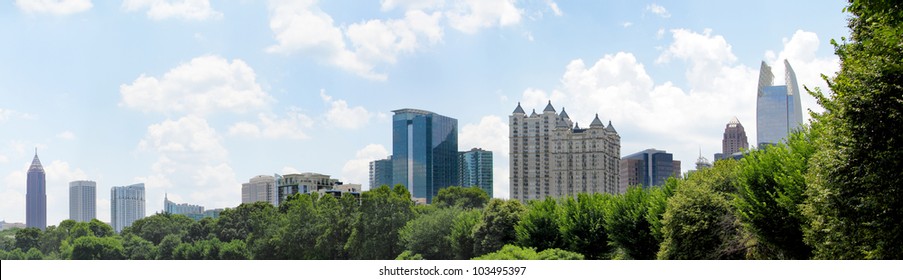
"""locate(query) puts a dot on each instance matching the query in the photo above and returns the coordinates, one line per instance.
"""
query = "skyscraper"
(381, 173)
(552, 156)
(648, 168)
(476, 169)
(259, 188)
(424, 152)
(734, 140)
(82, 201)
(36, 195)
(195, 212)
(778, 109)
(126, 205)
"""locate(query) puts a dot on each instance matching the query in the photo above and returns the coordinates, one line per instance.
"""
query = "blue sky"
(195, 97)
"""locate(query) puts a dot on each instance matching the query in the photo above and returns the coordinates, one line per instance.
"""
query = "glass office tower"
(778, 108)
(424, 152)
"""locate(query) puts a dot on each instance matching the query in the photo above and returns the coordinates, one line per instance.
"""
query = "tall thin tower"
(36, 195)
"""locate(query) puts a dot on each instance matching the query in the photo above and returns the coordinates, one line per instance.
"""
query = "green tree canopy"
(466, 198)
(497, 225)
(383, 212)
(627, 226)
(583, 225)
(427, 234)
(97, 248)
(28, 238)
(461, 235)
(699, 225)
(512, 252)
(539, 226)
(154, 228)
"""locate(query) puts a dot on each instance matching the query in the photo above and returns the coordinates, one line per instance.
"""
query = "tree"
(335, 218)
(383, 212)
(461, 235)
(583, 225)
(497, 225)
(772, 184)
(28, 238)
(627, 226)
(51, 239)
(699, 225)
(100, 229)
(658, 204)
(854, 201)
(34, 254)
(233, 250)
(136, 248)
(466, 198)
(242, 221)
(539, 226)
(168, 246)
(200, 230)
(299, 235)
(427, 234)
(154, 228)
(97, 248)
(512, 252)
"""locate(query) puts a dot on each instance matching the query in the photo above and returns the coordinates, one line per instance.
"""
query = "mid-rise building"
(734, 141)
(381, 173)
(778, 109)
(127, 205)
(476, 169)
(36, 195)
(648, 168)
(82, 201)
(260, 188)
(424, 152)
(192, 211)
(303, 183)
(552, 156)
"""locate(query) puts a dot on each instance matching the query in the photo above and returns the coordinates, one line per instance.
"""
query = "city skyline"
(195, 102)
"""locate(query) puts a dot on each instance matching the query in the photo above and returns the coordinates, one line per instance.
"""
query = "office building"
(734, 142)
(82, 201)
(551, 156)
(476, 169)
(648, 168)
(381, 173)
(259, 188)
(424, 152)
(36, 195)
(303, 183)
(126, 205)
(778, 109)
(193, 211)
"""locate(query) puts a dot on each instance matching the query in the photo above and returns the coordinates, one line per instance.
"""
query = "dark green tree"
(512, 252)
(427, 234)
(247, 218)
(461, 235)
(699, 225)
(97, 248)
(200, 230)
(383, 212)
(154, 228)
(658, 204)
(233, 250)
(771, 185)
(52, 239)
(15, 254)
(628, 229)
(28, 238)
(583, 225)
(335, 218)
(168, 246)
(466, 198)
(136, 248)
(854, 201)
(497, 225)
(539, 226)
(299, 235)
(100, 229)
(34, 254)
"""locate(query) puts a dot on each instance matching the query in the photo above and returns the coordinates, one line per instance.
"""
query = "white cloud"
(554, 7)
(5, 114)
(658, 10)
(58, 175)
(164, 9)
(469, 16)
(54, 7)
(800, 50)
(202, 86)
(3, 159)
(388, 5)
(382, 41)
(293, 125)
(342, 116)
(627, 24)
(660, 34)
(490, 134)
(357, 170)
(66, 135)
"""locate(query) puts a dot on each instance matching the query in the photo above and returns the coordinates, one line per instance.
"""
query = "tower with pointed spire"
(734, 141)
(36, 195)
(552, 156)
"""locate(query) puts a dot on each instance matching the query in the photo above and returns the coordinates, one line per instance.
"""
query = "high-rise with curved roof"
(778, 109)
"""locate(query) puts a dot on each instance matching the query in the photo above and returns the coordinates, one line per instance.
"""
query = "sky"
(194, 97)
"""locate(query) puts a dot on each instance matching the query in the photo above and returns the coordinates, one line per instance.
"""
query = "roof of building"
(549, 107)
(415, 111)
(564, 115)
(534, 113)
(610, 128)
(519, 109)
(596, 122)
(36, 163)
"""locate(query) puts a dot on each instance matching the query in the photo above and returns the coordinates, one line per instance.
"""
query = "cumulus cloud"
(491, 134)
(202, 86)
(293, 125)
(627, 24)
(469, 16)
(164, 9)
(340, 115)
(658, 10)
(357, 170)
(66, 135)
(554, 7)
(800, 50)
(54, 7)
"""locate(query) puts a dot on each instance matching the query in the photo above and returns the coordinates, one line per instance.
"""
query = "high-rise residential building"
(381, 173)
(82, 201)
(648, 168)
(260, 188)
(476, 169)
(734, 141)
(778, 109)
(126, 205)
(303, 183)
(424, 152)
(36, 195)
(552, 156)
(195, 212)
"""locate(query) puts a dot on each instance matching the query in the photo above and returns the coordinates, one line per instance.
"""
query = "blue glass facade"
(424, 152)
(648, 168)
(778, 108)
(476, 169)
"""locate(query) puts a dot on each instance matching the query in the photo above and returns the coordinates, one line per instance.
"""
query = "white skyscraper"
(259, 188)
(126, 205)
(82, 201)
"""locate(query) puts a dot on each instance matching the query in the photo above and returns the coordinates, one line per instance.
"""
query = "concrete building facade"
(82, 201)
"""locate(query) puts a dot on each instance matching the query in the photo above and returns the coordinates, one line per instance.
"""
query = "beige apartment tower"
(551, 156)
